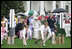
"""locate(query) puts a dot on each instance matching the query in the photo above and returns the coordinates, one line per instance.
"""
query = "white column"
(64, 4)
(42, 8)
(27, 5)
(61, 4)
(53, 5)
(12, 25)
(70, 9)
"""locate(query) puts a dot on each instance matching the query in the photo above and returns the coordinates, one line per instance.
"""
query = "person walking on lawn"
(36, 26)
(51, 22)
(45, 31)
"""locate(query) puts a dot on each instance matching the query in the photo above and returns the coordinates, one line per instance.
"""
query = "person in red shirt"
(46, 17)
(41, 17)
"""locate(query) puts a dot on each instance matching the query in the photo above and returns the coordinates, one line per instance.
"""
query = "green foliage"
(7, 5)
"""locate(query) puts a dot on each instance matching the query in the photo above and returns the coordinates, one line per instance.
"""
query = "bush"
(7, 5)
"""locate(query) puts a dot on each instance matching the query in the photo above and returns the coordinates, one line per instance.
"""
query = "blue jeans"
(52, 29)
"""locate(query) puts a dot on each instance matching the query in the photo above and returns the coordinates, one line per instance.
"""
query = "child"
(31, 28)
(41, 31)
(44, 30)
(26, 34)
(4, 31)
(29, 32)
(21, 26)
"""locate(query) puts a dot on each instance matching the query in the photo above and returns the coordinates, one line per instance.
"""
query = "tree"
(7, 5)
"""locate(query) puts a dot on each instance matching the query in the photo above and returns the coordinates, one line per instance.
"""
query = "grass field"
(31, 44)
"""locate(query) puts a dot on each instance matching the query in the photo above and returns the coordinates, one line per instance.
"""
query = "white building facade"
(42, 6)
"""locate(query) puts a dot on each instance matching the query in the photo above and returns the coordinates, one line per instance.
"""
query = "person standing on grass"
(45, 31)
(51, 22)
(6, 23)
(36, 26)
(31, 28)
(67, 22)
(4, 31)
(26, 34)
(20, 28)
(16, 19)
(30, 18)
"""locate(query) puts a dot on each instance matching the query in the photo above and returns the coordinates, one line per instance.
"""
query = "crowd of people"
(38, 27)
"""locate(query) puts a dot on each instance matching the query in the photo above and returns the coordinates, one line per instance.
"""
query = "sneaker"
(66, 35)
(44, 44)
(53, 42)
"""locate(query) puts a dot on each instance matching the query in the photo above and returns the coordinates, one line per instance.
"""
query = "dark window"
(67, 8)
(30, 5)
(56, 5)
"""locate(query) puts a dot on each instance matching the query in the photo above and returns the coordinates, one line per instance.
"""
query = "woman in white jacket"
(36, 27)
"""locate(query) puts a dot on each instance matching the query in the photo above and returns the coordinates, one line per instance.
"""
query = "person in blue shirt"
(30, 18)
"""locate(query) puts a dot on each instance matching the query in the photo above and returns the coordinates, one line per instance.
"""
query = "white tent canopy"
(20, 13)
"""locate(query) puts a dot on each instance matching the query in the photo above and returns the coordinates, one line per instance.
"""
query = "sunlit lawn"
(31, 43)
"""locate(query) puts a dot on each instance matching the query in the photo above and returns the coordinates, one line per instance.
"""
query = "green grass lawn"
(31, 44)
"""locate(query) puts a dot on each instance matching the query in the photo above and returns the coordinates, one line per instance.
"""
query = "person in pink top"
(4, 31)
(25, 21)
